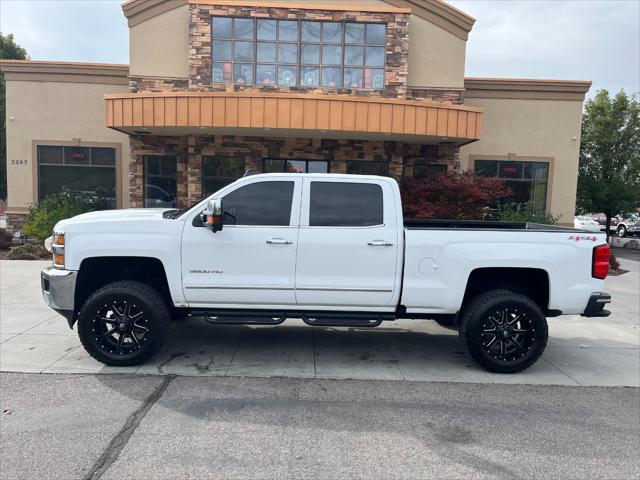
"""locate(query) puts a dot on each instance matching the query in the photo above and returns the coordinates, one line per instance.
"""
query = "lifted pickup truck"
(330, 249)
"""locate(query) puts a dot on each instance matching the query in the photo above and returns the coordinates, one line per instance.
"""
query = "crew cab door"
(250, 263)
(348, 245)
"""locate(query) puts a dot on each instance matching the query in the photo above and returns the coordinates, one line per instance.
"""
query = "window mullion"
(299, 66)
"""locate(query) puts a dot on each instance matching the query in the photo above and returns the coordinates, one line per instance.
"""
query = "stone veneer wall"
(139, 84)
(436, 95)
(190, 149)
(15, 221)
(396, 69)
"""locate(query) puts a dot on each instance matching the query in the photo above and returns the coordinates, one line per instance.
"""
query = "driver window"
(261, 203)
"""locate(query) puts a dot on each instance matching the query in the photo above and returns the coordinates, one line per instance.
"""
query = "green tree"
(609, 174)
(9, 50)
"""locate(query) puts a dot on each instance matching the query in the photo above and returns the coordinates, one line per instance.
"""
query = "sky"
(596, 40)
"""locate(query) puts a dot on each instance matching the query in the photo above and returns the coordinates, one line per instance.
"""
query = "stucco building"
(218, 87)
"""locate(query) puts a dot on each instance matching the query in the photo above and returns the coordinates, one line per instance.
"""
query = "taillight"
(600, 262)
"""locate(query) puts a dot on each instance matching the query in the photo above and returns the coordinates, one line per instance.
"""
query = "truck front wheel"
(123, 323)
(505, 332)
(622, 231)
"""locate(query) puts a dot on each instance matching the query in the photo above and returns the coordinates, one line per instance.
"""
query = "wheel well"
(97, 272)
(532, 282)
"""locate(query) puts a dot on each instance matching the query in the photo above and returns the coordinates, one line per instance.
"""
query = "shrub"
(5, 239)
(28, 251)
(451, 195)
(521, 212)
(42, 218)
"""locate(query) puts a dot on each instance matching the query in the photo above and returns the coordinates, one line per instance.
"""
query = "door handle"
(379, 243)
(278, 241)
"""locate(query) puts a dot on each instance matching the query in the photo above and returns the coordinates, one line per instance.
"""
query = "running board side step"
(244, 318)
(275, 317)
(344, 320)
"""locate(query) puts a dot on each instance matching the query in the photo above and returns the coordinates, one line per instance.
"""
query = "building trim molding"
(68, 72)
(139, 11)
(526, 89)
(441, 14)
(436, 11)
(292, 4)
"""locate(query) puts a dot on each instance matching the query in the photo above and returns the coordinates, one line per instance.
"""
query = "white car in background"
(586, 223)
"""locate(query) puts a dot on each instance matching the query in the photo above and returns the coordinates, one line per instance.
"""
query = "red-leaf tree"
(451, 195)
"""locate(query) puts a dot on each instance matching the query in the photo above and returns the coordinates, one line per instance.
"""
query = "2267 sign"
(18, 162)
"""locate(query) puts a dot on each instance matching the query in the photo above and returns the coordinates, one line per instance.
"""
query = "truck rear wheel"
(123, 323)
(505, 332)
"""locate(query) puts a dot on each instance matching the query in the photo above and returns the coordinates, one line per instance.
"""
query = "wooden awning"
(265, 114)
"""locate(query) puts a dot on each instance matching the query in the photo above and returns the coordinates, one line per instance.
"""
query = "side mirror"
(214, 215)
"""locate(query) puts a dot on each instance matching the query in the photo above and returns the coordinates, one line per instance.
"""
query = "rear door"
(348, 245)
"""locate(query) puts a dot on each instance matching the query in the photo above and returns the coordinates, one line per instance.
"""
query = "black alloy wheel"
(507, 334)
(121, 327)
(504, 331)
(123, 323)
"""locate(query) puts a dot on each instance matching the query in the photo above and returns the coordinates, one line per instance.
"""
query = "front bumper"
(595, 306)
(58, 291)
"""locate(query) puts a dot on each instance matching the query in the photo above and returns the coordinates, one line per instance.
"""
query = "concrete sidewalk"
(581, 351)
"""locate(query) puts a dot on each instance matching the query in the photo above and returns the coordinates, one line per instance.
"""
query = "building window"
(298, 53)
(219, 171)
(85, 172)
(280, 165)
(527, 180)
(427, 170)
(364, 167)
(160, 181)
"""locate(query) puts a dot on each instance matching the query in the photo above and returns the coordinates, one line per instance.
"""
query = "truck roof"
(320, 175)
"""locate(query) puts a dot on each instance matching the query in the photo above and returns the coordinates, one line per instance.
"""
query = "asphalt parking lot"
(293, 402)
(115, 427)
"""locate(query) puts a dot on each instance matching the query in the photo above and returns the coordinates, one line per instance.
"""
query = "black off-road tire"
(621, 232)
(156, 321)
(475, 319)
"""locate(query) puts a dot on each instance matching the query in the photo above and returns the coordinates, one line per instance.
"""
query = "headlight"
(58, 250)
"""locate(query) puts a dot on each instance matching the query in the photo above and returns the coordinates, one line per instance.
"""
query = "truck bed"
(482, 225)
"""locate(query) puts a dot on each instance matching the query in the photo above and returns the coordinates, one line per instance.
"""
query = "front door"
(348, 245)
(250, 263)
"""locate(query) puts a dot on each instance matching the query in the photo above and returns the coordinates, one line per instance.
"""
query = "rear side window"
(338, 204)
(262, 203)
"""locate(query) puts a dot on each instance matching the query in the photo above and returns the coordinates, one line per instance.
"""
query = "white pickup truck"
(330, 249)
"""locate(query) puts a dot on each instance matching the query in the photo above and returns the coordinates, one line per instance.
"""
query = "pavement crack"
(313, 343)
(233, 356)
(120, 440)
